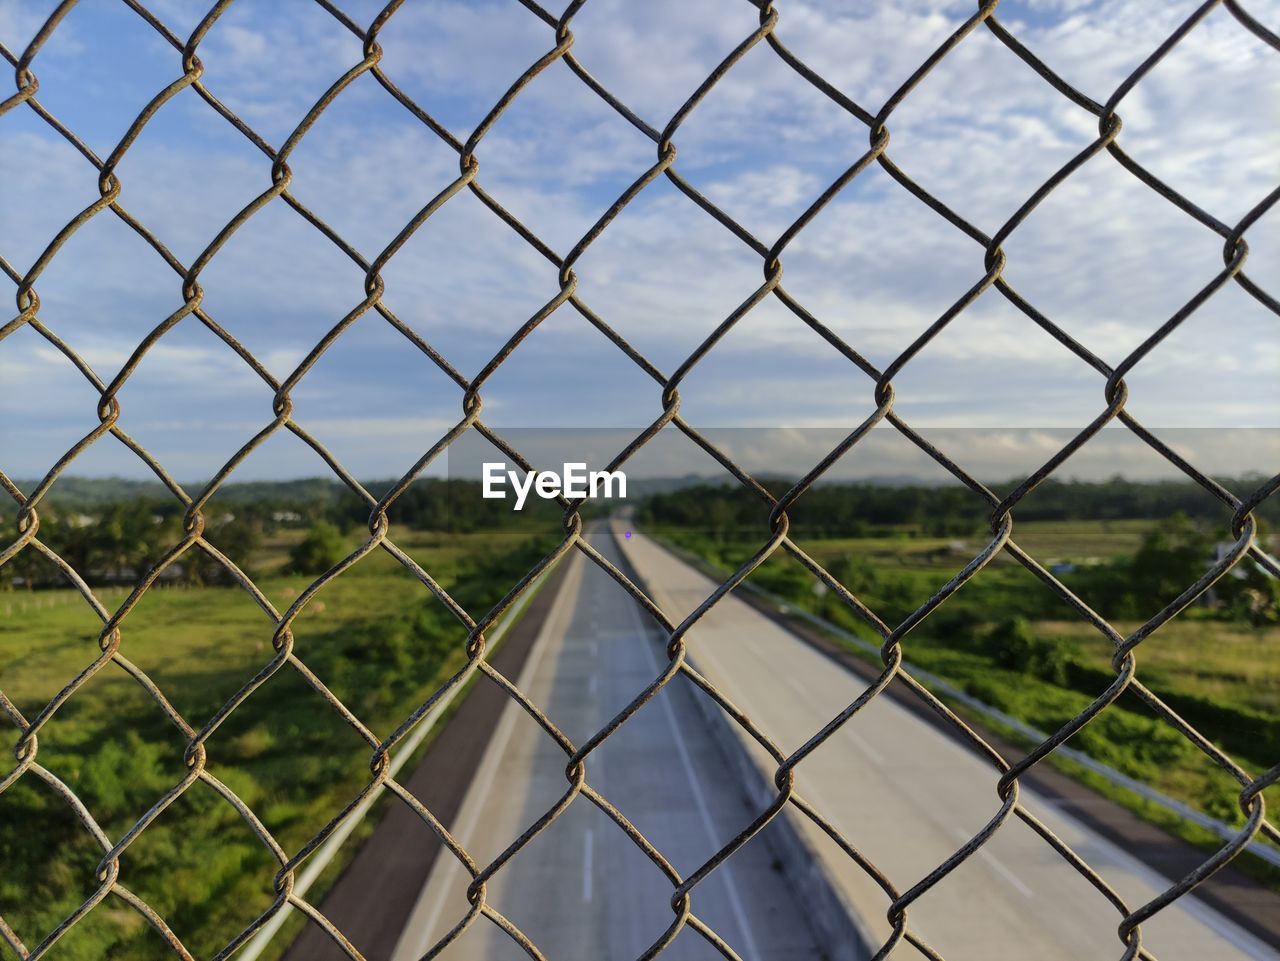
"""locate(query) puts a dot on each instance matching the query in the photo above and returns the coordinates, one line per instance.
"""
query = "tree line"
(866, 509)
(113, 530)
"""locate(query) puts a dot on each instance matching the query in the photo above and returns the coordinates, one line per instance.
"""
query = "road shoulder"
(377, 891)
(1230, 892)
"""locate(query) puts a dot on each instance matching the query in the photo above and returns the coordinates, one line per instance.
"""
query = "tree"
(236, 538)
(1172, 558)
(318, 551)
(239, 540)
(1251, 594)
(126, 538)
(1013, 645)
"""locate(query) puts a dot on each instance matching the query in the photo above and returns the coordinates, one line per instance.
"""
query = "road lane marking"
(997, 865)
(1113, 862)
(587, 842)
(798, 687)
(872, 754)
(700, 800)
(876, 758)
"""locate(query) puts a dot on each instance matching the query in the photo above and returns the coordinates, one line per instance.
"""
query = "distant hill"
(315, 496)
(83, 493)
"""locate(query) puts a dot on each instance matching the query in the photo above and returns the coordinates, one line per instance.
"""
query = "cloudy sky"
(1104, 257)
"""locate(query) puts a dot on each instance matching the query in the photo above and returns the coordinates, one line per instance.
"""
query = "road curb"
(419, 928)
(1233, 894)
(837, 925)
(372, 898)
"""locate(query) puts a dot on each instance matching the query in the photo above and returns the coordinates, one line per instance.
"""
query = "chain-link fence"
(112, 882)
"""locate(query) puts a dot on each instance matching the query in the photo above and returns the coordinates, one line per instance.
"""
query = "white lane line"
(798, 687)
(587, 844)
(591, 685)
(874, 756)
(704, 810)
(1113, 862)
(997, 865)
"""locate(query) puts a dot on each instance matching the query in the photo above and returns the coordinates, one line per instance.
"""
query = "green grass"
(374, 636)
(1226, 661)
(1080, 540)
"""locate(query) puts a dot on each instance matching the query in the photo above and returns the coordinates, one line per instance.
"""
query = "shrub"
(1012, 644)
(320, 550)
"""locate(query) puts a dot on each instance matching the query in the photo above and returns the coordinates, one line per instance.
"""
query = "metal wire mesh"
(110, 882)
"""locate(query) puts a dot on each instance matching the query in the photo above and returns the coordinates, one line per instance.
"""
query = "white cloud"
(1104, 257)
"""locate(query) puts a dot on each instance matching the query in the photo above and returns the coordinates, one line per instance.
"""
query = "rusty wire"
(109, 882)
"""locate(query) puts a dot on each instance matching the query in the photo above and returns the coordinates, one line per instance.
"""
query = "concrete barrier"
(837, 926)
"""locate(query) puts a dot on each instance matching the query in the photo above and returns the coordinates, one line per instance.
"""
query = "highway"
(908, 796)
(582, 890)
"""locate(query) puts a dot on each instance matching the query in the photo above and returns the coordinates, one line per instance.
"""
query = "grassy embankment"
(1005, 639)
(375, 636)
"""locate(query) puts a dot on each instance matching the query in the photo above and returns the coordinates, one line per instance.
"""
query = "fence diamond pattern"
(112, 881)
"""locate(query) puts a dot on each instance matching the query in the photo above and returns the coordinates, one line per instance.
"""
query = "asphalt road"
(582, 890)
(908, 796)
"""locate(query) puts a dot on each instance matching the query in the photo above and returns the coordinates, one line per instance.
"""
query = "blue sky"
(1104, 257)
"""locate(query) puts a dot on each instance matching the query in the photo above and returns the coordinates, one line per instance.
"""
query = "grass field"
(374, 636)
(1224, 661)
(1222, 675)
(1046, 540)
